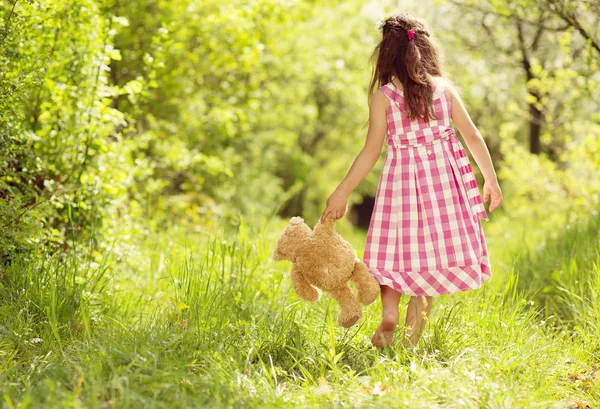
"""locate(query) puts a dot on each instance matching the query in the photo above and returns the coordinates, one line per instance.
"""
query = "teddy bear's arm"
(302, 286)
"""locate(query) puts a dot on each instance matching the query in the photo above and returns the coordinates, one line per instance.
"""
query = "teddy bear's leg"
(303, 287)
(350, 309)
(367, 287)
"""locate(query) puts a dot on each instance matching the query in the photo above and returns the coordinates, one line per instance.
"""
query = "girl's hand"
(336, 206)
(492, 189)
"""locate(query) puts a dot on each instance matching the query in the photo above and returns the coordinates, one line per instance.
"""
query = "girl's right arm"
(478, 148)
(364, 162)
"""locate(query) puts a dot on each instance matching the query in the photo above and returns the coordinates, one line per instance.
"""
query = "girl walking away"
(425, 237)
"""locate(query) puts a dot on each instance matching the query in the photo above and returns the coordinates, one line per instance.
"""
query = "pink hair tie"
(411, 34)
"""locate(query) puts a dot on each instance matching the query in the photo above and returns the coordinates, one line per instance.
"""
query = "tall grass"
(208, 320)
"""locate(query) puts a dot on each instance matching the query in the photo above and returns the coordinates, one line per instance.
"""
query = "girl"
(425, 237)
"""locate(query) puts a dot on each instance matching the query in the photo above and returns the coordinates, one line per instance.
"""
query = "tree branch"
(12, 10)
(539, 32)
(515, 17)
(573, 22)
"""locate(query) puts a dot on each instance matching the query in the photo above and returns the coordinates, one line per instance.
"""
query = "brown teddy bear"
(323, 259)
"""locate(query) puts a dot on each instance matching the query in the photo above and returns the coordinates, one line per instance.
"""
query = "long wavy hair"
(412, 60)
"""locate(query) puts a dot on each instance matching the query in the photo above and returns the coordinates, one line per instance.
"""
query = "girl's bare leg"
(417, 314)
(390, 299)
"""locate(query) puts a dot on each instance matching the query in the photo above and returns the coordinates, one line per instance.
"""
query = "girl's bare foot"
(385, 332)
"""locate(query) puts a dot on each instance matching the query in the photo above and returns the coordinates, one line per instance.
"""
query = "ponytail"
(418, 89)
(407, 53)
(412, 61)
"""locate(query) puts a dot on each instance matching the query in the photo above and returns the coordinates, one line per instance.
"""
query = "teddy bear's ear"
(296, 220)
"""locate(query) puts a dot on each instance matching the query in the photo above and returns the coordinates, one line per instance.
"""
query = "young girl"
(425, 237)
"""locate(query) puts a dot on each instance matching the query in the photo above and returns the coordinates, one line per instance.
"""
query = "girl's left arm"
(364, 162)
(478, 148)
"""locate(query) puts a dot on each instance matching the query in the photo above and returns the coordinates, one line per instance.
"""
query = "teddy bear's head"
(291, 238)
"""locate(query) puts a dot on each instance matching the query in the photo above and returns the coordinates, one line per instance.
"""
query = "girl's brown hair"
(412, 60)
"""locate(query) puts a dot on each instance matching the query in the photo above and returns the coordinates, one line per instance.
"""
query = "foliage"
(59, 129)
(519, 40)
(131, 133)
(216, 324)
(192, 111)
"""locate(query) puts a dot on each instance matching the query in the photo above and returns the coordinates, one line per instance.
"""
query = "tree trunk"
(535, 115)
(535, 128)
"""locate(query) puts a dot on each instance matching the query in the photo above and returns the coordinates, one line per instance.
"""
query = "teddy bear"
(323, 260)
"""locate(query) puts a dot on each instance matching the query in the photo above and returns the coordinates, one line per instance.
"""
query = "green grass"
(207, 320)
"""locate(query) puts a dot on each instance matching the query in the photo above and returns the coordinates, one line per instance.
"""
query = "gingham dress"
(426, 236)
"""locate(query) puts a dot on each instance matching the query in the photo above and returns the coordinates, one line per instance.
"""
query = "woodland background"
(151, 151)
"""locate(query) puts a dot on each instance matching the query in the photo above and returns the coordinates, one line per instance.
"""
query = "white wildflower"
(379, 24)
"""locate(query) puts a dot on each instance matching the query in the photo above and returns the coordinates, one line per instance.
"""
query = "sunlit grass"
(207, 320)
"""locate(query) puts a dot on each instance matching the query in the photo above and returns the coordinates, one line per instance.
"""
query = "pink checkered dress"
(425, 236)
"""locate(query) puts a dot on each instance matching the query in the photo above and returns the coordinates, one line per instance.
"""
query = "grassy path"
(209, 321)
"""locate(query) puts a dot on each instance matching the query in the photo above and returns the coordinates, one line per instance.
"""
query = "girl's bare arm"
(477, 147)
(364, 162)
